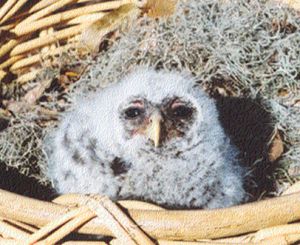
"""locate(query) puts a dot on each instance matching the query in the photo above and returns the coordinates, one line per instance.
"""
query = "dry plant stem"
(130, 204)
(48, 10)
(23, 28)
(182, 225)
(8, 27)
(22, 79)
(41, 4)
(23, 226)
(281, 240)
(42, 41)
(162, 242)
(68, 200)
(8, 230)
(86, 18)
(120, 225)
(8, 47)
(21, 63)
(69, 227)
(9, 242)
(13, 10)
(282, 230)
(10, 61)
(84, 243)
(54, 225)
(5, 8)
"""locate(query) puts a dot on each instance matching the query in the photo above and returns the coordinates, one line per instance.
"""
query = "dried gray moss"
(253, 44)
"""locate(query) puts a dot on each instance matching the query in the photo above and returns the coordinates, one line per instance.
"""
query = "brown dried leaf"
(160, 8)
(276, 148)
(119, 18)
(282, 92)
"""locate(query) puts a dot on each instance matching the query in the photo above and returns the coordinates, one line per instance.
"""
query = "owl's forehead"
(155, 87)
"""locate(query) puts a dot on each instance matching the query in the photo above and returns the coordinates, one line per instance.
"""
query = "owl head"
(149, 111)
(160, 111)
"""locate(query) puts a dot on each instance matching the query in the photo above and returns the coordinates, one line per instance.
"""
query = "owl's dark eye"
(133, 112)
(181, 112)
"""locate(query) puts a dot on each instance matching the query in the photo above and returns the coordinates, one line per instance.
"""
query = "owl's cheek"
(137, 132)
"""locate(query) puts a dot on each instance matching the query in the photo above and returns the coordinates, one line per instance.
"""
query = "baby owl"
(153, 136)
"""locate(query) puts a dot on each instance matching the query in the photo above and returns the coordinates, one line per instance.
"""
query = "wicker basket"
(31, 33)
(29, 221)
(45, 28)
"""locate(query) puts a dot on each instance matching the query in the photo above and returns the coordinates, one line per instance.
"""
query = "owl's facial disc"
(158, 123)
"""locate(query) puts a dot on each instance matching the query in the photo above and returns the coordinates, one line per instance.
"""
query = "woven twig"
(89, 18)
(22, 28)
(46, 14)
(8, 47)
(40, 5)
(24, 226)
(21, 63)
(69, 227)
(187, 225)
(13, 10)
(121, 226)
(45, 40)
(11, 61)
(4, 9)
(8, 230)
(48, 10)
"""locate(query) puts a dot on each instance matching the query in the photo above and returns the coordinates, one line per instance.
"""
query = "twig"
(6, 7)
(45, 40)
(281, 230)
(21, 63)
(8, 27)
(86, 18)
(9, 241)
(10, 61)
(54, 225)
(48, 10)
(10, 231)
(41, 4)
(84, 243)
(182, 225)
(68, 199)
(121, 226)
(22, 28)
(22, 225)
(69, 227)
(8, 47)
(13, 10)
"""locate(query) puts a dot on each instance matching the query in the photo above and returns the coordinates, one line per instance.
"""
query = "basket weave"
(46, 28)
(29, 221)
(29, 34)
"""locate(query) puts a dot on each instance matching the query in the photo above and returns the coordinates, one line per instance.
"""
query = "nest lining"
(251, 46)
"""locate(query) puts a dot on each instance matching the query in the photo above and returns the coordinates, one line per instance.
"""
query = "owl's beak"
(154, 128)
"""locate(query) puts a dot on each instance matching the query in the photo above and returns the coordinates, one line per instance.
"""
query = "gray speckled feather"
(101, 146)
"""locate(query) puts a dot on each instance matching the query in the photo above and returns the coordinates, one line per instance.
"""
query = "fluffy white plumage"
(92, 150)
